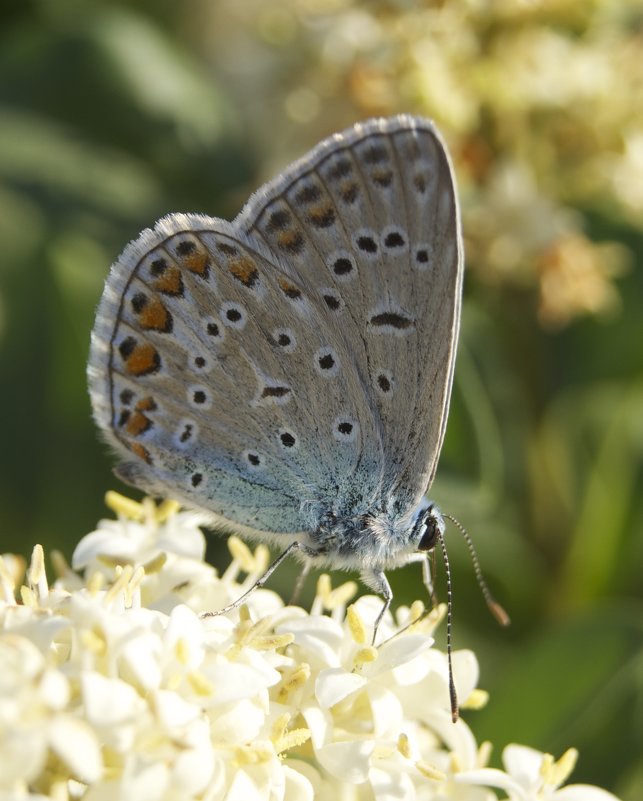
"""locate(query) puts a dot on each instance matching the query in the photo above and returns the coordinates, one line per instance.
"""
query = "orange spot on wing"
(170, 283)
(322, 216)
(290, 290)
(138, 424)
(141, 452)
(155, 317)
(196, 262)
(146, 404)
(244, 269)
(143, 359)
(290, 240)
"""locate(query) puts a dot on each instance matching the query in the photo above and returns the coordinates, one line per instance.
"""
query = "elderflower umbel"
(114, 686)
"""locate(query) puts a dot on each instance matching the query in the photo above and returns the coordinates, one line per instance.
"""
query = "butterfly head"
(428, 527)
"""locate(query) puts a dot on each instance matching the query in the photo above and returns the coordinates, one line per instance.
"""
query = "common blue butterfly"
(290, 371)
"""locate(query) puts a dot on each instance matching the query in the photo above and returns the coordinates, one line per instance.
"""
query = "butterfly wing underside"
(369, 220)
(300, 356)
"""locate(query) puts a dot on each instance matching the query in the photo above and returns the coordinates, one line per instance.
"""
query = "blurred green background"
(113, 114)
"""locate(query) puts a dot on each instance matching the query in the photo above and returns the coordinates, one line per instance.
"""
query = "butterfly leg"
(377, 581)
(294, 546)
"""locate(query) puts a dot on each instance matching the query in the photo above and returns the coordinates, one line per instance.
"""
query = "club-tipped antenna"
(494, 607)
(453, 696)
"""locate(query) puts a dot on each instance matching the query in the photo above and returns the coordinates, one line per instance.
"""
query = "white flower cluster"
(113, 687)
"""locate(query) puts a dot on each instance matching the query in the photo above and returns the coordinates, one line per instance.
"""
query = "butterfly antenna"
(452, 692)
(494, 607)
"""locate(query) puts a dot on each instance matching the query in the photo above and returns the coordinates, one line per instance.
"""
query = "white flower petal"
(389, 786)
(140, 660)
(387, 712)
(142, 782)
(76, 744)
(334, 684)
(302, 781)
(111, 541)
(319, 723)
(232, 681)
(492, 777)
(348, 761)
(523, 764)
(243, 788)
(172, 711)
(182, 536)
(458, 738)
(194, 765)
(53, 689)
(319, 638)
(185, 633)
(109, 702)
(239, 724)
(466, 673)
(399, 652)
(23, 754)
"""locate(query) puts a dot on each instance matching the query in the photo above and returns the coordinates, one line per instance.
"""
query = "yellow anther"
(430, 771)
(271, 642)
(341, 595)
(283, 739)
(324, 587)
(546, 766)
(156, 565)
(241, 554)
(124, 507)
(165, 510)
(201, 684)
(292, 680)
(561, 769)
(36, 572)
(365, 655)
(292, 739)
(123, 576)
(279, 726)
(95, 583)
(417, 610)
(404, 746)
(182, 651)
(261, 558)
(484, 754)
(356, 625)
(476, 700)
(28, 597)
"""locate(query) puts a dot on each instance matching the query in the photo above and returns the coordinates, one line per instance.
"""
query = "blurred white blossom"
(114, 686)
(541, 102)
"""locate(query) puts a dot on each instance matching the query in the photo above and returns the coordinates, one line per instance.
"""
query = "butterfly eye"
(428, 529)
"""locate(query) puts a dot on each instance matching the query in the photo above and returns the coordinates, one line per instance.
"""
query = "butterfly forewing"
(369, 221)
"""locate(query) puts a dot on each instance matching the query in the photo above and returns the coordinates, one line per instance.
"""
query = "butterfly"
(290, 371)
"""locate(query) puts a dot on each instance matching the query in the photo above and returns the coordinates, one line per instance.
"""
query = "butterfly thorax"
(379, 539)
